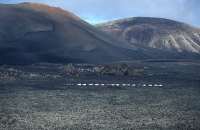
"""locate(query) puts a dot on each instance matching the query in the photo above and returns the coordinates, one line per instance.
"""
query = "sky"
(97, 11)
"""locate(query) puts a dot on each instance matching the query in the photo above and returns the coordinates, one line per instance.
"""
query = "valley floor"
(37, 97)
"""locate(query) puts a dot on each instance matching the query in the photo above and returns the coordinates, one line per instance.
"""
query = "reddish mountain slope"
(33, 31)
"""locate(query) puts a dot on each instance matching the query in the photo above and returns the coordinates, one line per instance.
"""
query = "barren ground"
(37, 97)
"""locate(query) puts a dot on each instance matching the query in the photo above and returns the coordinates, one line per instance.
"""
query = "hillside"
(34, 32)
(155, 32)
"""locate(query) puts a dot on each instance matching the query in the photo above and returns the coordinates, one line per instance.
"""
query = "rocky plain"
(38, 96)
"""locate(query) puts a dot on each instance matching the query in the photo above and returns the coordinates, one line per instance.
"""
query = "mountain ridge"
(32, 33)
(158, 33)
(26, 22)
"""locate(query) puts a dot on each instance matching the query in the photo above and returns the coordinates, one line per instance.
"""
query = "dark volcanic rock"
(68, 70)
(120, 70)
(155, 32)
(123, 69)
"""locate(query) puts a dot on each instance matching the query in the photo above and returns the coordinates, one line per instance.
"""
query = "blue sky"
(97, 11)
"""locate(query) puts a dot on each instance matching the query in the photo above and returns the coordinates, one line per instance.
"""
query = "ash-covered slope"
(33, 32)
(155, 32)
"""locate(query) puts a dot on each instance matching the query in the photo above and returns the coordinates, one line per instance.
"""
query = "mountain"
(33, 32)
(155, 32)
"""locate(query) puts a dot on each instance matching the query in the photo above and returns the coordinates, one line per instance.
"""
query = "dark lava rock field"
(38, 96)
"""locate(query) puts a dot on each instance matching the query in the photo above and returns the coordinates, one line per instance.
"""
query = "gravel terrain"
(44, 101)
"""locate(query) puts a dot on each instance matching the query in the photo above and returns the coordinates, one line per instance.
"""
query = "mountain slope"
(155, 32)
(33, 31)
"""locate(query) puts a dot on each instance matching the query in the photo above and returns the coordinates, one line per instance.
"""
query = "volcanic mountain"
(33, 32)
(155, 32)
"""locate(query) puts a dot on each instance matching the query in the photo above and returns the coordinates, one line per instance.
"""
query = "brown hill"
(32, 32)
(155, 32)
(38, 32)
